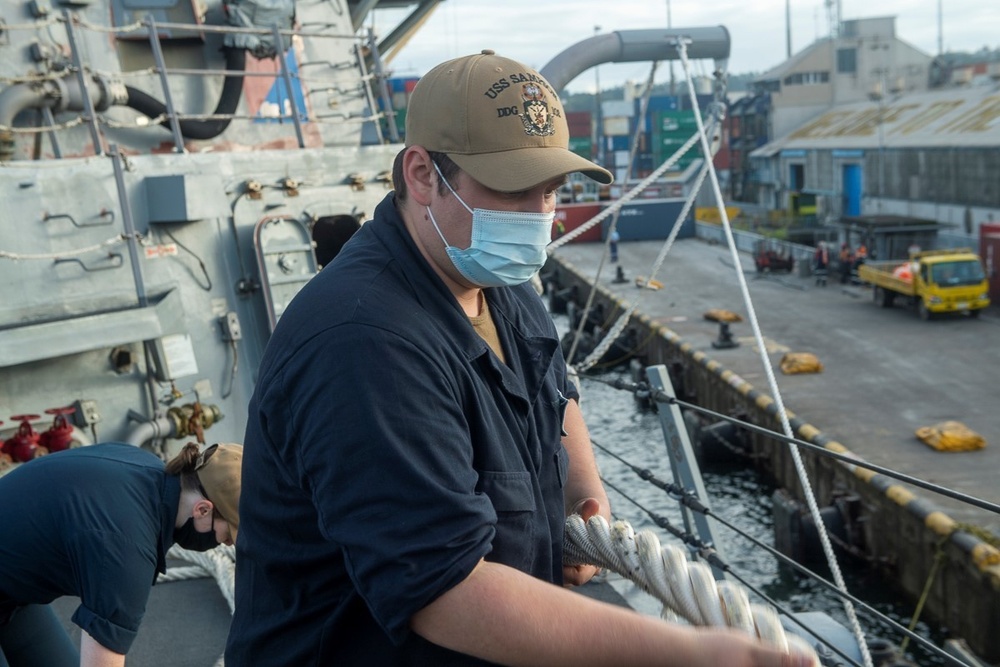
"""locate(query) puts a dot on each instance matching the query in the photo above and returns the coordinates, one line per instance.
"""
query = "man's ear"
(419, 174)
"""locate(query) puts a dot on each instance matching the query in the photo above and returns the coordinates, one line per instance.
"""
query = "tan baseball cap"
(499, 120)
(218, 469)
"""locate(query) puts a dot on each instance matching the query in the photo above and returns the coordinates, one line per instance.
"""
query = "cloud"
(535, 31)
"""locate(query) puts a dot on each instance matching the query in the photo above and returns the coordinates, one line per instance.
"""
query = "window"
(806, 78)
(847, 61)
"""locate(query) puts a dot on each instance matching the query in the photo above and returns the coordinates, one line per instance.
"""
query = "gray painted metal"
(625, 46)
(132, 282)
(683, 463)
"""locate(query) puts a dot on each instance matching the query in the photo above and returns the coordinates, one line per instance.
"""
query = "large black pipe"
(229, 100)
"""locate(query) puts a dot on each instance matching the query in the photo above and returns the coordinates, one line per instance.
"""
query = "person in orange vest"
(846, 261)
(860, 255)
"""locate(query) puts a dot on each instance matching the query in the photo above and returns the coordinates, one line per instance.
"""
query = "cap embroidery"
(536, 118)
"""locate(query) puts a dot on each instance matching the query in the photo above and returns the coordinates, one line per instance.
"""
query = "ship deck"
(187, 621)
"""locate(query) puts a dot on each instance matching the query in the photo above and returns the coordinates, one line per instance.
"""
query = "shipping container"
(579, 124)
(989, 250)
(572, 216)
(644, 220)
(582, 146)
(622, 142)
(671, 130)
(615, 126)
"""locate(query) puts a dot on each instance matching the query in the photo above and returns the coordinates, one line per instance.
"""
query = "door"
(852, 190)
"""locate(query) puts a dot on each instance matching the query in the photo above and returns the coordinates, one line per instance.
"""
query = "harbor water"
(738, 495)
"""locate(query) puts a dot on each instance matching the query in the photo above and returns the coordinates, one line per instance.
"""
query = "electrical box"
(173, 357)
(230, 324)
(86, 413)
(184, 198)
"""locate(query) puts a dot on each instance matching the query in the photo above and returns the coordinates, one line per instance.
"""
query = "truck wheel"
(925, 313)
(877, 294)
(974, 313)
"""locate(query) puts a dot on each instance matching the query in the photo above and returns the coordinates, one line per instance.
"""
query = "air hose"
(229, 100)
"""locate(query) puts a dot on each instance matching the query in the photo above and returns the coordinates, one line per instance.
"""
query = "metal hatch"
(286, 261)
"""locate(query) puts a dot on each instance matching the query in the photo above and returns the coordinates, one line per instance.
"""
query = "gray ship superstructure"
(170, 172)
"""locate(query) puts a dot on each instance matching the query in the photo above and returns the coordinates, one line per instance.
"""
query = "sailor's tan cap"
(219, 469)
(499, 120)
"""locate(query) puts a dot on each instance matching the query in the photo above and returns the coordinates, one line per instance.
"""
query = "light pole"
(670, 24)
(878, 94)
(598, 121)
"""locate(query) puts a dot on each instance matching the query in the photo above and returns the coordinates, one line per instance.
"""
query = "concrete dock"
(886, 373)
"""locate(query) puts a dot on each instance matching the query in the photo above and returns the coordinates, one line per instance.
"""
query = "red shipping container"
(573, 216)
(989, 250)
(579, 123)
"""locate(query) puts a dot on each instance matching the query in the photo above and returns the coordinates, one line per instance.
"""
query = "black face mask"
(188, 537)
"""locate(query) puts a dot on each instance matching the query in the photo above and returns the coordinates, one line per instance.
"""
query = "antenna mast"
(940, 30)
(788, 28)
(833, 16)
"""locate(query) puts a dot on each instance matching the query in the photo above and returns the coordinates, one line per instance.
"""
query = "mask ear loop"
(436, 228)
(430, 214)
(448, 185)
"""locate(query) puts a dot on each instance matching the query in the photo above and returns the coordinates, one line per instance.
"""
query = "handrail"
(325, 88)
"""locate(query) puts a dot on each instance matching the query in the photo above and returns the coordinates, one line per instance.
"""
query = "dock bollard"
(725, 339)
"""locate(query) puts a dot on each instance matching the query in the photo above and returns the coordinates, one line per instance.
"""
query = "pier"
(886, 373)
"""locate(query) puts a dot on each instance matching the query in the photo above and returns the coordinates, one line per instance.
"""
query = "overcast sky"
(535, 31)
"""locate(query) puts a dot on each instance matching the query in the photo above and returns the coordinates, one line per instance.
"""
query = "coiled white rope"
(687, 589)
(219, 563)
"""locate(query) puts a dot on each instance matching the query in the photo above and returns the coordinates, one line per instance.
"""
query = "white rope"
(219, 563)
(35, 25)
(601, 349)
(687, 589)
(113, 241)
(769, 371)
(624, 199)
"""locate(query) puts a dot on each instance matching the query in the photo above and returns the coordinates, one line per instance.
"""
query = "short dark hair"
(445, 164)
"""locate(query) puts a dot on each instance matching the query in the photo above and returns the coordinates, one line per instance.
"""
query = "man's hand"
(577, 575)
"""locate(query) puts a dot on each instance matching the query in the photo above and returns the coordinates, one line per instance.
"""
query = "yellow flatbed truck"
(934, 281)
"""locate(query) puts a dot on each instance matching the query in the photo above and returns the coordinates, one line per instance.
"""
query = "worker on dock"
(414, 443)
(821, 262)
(846, 263)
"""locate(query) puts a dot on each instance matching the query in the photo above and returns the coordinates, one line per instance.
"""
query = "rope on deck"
(218, 563)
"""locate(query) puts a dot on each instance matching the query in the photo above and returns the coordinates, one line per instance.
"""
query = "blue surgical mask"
(508, 247)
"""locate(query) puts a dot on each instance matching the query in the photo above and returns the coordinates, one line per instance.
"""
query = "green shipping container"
(582, 146)
(671, 130)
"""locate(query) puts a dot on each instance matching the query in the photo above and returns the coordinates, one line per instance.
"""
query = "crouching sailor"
(96, 522)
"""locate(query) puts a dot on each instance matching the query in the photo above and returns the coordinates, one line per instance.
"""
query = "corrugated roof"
(958, 117)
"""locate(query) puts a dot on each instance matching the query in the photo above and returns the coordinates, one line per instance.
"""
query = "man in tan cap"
(414, 444)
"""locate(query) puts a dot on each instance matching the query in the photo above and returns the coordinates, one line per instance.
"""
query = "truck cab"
(933, 281)
(948, 281)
